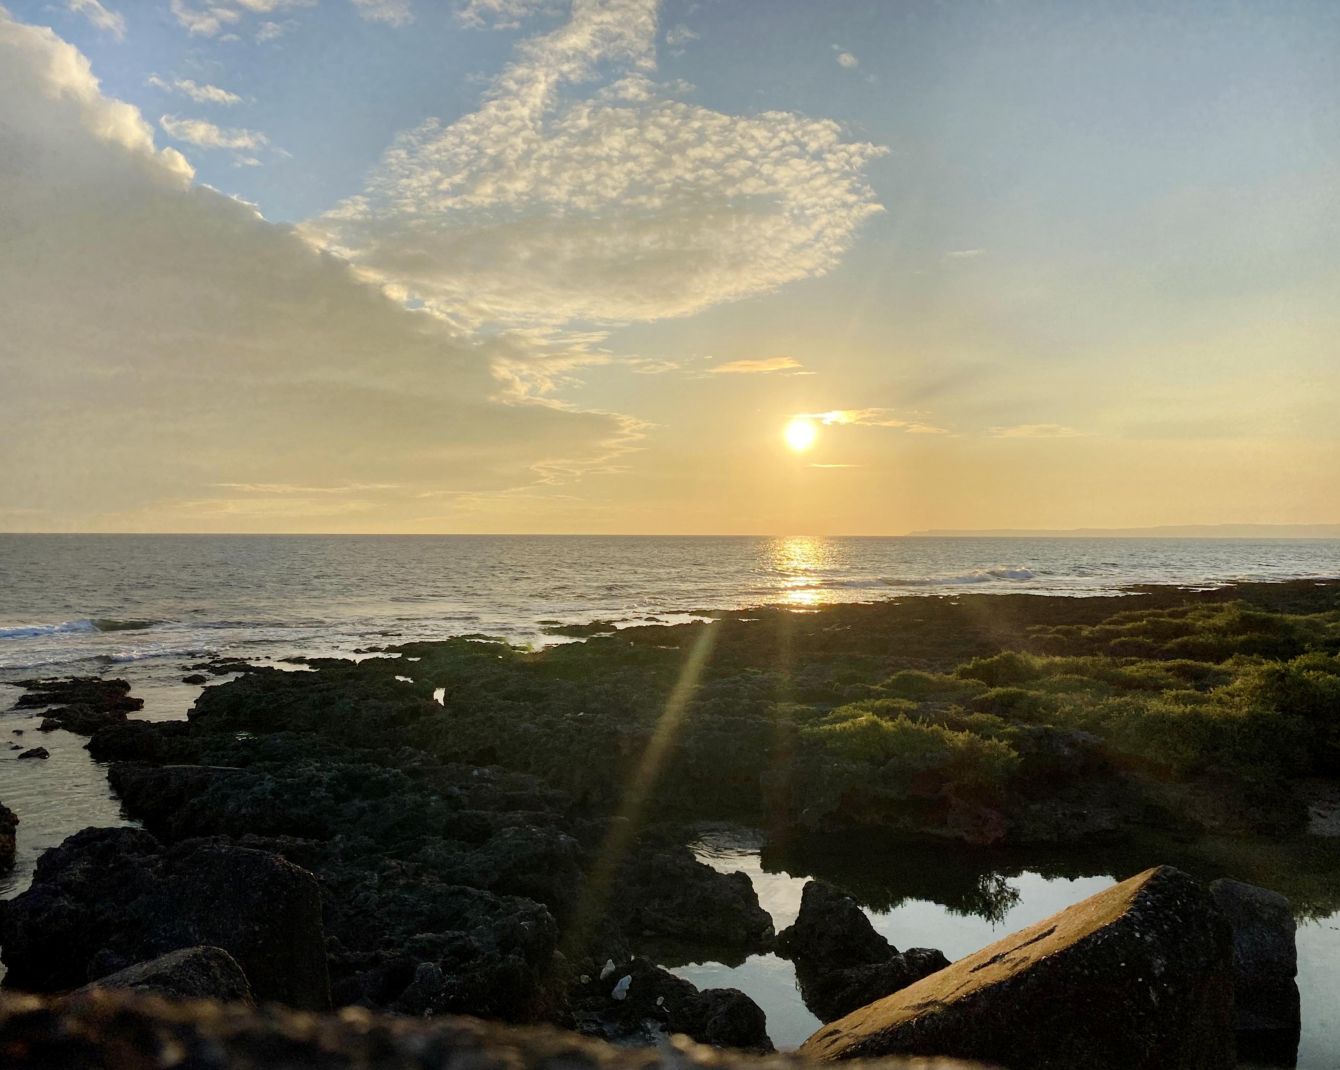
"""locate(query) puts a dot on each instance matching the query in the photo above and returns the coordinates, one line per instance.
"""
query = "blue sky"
(1024, 250)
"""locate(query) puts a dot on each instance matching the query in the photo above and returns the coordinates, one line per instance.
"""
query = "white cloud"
(502, 14)
(1036, 431)
(392, 12)
(209, 19)
(111, 22)
(624, 205)
(201, 94)
(161, 339)
(206, 135)
(847, 60)
(762, 366)
(965, 254)
(679, 35)
(874, 417)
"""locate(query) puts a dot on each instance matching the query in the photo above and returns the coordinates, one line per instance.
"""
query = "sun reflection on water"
(801, 560)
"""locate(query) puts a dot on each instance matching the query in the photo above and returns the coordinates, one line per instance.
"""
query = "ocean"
(80, 603)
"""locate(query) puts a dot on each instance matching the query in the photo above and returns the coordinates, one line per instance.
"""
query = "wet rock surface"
(9, 823)
(109, 898)
(108, 1030)
(191, 973)
(79, 704)
(1139, 975)
(1265, 964)
(842, 963)
(34, 754)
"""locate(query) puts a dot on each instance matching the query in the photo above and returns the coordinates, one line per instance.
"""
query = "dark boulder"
(190, 973)
(9, 823)
(196, 678)
(667, 893)
(35, 752)
(639, 1003)
(1265, 963)
(81, 720)
(842, 963)
(106, 899)
(88, 691)
(1137, 977)
(831, 928)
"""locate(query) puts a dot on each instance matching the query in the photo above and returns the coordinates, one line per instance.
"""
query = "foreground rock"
(638, 1002)
(841, 962)
(125, 1031)
(1265, 963)
(191, 973)
(81, 704)
(1137, 976)
(109, 898)
(9, 823)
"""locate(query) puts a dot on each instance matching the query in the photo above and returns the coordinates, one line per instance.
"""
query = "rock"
(666, 892)
(1137, 976)
(81, 720)
(1265, 963)
(831, 928)
(190, 973)
(842, 963)
(108, 898)
(125, 1030)
(647, 1003)
(35, 752)
(9, 822)
(196, 678)
(89, 691)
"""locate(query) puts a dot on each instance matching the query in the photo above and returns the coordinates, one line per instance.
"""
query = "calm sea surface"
(143, 607)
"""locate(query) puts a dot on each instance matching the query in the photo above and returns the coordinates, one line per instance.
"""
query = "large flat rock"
(1139, 975)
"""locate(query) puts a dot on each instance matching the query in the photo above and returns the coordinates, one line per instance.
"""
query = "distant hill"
(1171, 531)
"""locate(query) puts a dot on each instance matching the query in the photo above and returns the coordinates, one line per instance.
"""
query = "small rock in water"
(621, 989)
(195, 678)
(607, 969)
(36, 752)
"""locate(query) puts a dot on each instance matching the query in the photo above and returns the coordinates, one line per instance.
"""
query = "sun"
(800, 434)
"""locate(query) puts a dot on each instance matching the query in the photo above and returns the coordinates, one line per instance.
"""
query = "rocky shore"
(464, 827)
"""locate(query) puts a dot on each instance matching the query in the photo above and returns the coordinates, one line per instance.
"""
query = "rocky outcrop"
(9, 823)
(667, 893)
(191, 973)
(841, 962)
(1265, 963)
(641, 1003)
(34, 753)
(106, 899)
(126, 1031)
(1137, 976)
(81, 704)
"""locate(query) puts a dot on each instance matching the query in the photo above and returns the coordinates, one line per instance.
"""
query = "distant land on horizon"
(1166, 531)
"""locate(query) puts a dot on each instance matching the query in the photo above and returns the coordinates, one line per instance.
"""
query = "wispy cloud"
(965, 254)
(209, 19)
(874, 417)
(103, 18)
(201, 94)
(206, 135)
(762, 366)
(847, 60)
(391, 12)
(1035, 431)
(623, 205)
(502, 14)
(678, 36)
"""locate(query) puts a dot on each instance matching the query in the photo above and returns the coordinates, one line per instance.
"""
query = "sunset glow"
(801, 434)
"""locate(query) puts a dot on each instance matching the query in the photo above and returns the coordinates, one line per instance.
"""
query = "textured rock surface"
(191, 973)
(9, 823)
(841, 962)
(1265, 963)
(108, 1030)
(109, 898)
(1137, 976)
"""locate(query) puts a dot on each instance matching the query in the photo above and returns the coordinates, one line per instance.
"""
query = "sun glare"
(800, 434)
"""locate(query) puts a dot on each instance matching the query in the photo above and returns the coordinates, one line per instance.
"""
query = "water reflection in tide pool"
(960, 909)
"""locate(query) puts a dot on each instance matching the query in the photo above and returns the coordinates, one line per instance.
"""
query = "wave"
(981, 575)
(74, 627)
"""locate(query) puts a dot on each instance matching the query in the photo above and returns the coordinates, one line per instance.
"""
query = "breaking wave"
(68, 627)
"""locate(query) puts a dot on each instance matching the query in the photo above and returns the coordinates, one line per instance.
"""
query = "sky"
(579, 265)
